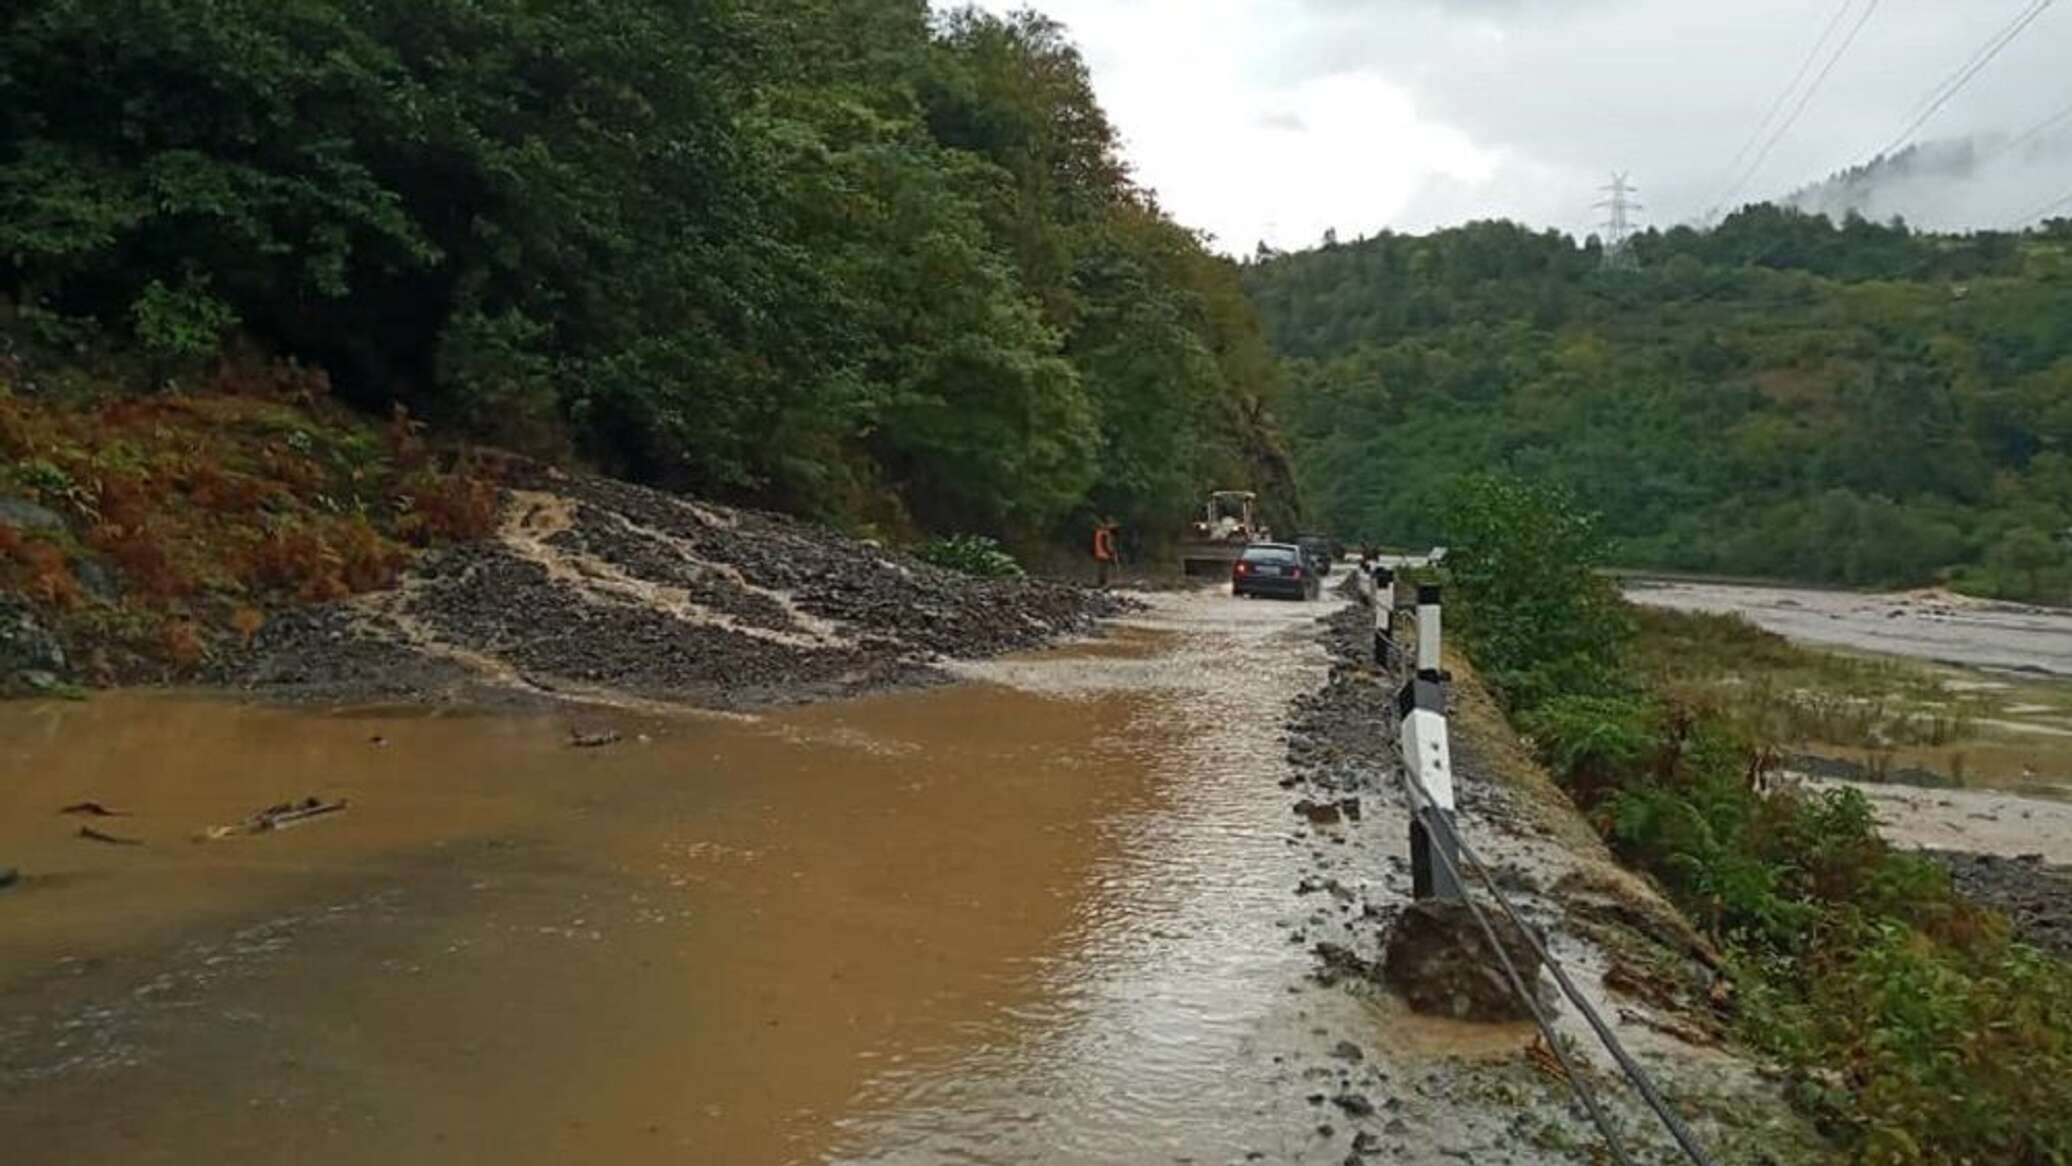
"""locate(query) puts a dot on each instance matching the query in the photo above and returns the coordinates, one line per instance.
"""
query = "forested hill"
(1780, 396)
(825, 255)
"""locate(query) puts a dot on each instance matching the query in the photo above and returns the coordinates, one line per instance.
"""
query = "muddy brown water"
(1030, 916)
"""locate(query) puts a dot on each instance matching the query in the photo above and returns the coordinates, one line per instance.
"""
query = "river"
(1030, 916)
(2010, 664)
(1926, 625)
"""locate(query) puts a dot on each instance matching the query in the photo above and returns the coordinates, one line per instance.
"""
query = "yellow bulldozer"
(1226, 524)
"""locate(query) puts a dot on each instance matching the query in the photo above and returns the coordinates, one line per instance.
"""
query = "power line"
(1805, 99)
(1977, 54)
(1777, 105)
(2038, 213)
(2030, 134)
(1956, 83)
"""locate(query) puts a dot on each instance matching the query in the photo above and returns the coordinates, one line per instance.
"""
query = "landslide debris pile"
(592, 585)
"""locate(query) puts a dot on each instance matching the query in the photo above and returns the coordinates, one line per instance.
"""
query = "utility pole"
(1618, 222)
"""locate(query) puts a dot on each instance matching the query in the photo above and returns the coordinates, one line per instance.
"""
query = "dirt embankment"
(597, 589)
(1655, 979)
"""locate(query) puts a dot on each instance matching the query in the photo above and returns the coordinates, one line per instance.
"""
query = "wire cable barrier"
(1634, 1074)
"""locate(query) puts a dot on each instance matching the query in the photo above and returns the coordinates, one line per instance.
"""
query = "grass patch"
(1781, 693)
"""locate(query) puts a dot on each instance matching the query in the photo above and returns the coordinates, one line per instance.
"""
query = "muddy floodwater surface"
(1029, 916)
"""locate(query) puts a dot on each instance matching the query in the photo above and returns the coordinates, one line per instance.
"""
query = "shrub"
(181, 324)
(1534, 611)
(970, 554)
(1918, 1033)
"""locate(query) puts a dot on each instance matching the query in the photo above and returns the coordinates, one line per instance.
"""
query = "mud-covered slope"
(596, 587)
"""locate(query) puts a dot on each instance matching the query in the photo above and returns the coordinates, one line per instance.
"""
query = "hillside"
(1780, 396)
(847, 260)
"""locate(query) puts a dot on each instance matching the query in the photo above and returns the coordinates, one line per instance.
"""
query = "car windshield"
(1269, 554)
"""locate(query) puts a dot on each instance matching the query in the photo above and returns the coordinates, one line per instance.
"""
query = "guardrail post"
(1428, 630)
(1422, 728)
(1384, 614)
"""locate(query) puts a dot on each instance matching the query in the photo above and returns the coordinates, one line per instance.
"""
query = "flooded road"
(1029, 917)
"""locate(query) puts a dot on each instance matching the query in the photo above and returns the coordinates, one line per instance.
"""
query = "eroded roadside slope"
(1500, 1097)
(593, 588)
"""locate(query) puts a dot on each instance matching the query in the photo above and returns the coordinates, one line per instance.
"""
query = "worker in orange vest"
(1104, 548)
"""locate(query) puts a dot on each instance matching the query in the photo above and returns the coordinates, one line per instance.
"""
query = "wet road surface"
(1035, 916)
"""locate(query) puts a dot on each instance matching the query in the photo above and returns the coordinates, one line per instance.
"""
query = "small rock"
(29, 516)
(1365, 1143)
(1319, 813)
(1355, 1104)
(1346, 1050)
(1341, 962)
(1395, 1128)
(96, 579)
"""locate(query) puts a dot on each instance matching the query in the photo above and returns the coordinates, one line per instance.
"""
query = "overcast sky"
(1275, 119)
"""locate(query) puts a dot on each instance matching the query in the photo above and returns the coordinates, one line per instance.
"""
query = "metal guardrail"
(1437, 850)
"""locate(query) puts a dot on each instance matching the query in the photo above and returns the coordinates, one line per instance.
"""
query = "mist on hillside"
(1981, 182)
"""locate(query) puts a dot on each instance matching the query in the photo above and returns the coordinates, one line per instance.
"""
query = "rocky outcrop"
(31, 658)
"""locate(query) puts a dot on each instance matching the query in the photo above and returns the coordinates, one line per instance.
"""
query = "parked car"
(1280, 569)
(1319, 550)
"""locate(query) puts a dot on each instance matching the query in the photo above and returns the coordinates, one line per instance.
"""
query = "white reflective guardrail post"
(1422, 709)
(1384, 614)
(1428, 629)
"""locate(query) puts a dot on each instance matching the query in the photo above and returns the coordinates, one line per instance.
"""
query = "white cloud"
(1276, 119)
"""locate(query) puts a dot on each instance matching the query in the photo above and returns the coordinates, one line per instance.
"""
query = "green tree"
(1537, 615)
(2028, 552)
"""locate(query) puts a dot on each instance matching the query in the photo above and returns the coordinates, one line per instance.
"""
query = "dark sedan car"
(1274, 569)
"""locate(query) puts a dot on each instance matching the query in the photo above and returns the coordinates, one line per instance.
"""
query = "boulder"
(1438, 959)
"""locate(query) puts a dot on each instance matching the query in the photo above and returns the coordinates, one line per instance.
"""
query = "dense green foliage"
(1525, 566)
(970, 554)
(1916, 1032)
(1778, 396)
(833, 256)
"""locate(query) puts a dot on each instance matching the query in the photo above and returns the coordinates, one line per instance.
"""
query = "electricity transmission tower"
(1618, 222)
